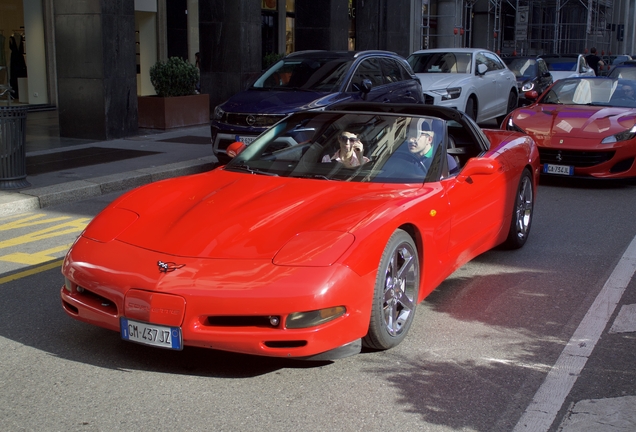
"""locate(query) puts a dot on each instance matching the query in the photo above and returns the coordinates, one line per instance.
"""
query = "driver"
(351, 152)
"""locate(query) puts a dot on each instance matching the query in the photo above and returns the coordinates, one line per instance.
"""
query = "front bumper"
(222, 136)
(610, 162)
(228, 303)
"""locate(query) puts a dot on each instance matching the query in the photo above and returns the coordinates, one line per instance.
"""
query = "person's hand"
(358, 149)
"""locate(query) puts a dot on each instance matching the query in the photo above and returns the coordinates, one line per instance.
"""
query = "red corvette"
(295, 249)
(584, 127)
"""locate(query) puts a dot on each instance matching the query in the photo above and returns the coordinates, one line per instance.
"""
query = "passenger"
(351, 152)
(422, 148)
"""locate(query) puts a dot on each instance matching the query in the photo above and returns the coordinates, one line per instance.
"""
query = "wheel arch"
(413, 231)
(475, 99)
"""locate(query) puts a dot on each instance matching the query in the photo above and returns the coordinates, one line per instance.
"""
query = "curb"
(33, 199)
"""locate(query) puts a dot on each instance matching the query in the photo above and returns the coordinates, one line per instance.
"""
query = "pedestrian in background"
(594, 61)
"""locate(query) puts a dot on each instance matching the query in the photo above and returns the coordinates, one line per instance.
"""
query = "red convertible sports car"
(319, 237)
(584, 127)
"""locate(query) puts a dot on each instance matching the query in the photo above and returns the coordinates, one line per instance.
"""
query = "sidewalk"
(151, 156)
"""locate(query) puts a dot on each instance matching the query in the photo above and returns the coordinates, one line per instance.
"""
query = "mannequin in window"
(17, 67)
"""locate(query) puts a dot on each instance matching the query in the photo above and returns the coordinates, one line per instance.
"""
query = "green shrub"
(270, 59)
(176, 77)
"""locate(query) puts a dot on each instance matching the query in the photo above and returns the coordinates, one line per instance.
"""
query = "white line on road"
(548, 400)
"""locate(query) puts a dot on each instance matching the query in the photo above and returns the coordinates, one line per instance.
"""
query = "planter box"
(165, 113)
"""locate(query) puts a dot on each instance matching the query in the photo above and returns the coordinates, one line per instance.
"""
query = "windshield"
(344, 146)
(321, 75)
(441, 62)
(561, 64)
(526, 68)
(592, 91)
(624, 72)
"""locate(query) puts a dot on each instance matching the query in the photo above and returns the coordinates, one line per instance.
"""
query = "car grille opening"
(285, 344)
(622, 166)
(70, 308)
(240, 321)
(256, 120)
(429, 100)
(96, 301)
(579, 159)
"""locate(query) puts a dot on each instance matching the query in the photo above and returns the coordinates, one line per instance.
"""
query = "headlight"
(527, 86)
(449, 93)
(511, 126)
(621, 136)
(68, 285)
(218, 113)
(313, 318)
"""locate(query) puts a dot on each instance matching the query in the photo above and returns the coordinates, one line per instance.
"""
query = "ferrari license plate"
(558, 169)
(151, 334)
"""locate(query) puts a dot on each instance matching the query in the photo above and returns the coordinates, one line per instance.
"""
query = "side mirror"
(235, 148)
(481, 69)
(479, 166)
(366, 85)
(364, 88)
(531, 95)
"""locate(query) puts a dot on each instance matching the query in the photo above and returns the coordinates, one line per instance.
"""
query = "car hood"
(223, 214)
(279, 102)
(434, 81)
(543, 121)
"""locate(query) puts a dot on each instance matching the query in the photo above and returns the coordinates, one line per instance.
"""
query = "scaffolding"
(446, 25)
(550, 26)
(520, 26)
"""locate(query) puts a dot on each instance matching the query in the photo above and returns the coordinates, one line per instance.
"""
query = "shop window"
(290, 26)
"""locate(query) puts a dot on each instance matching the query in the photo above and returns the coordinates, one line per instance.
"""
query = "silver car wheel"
(395, 294)
(522, 210)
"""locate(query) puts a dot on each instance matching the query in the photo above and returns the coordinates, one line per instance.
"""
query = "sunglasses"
(350, 139)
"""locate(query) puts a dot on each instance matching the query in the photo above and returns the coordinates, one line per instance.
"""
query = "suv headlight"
(621, 136)
(218, 113)
(449, 93)
(527, 86)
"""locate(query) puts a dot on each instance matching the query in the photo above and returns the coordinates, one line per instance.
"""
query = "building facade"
(91, 59)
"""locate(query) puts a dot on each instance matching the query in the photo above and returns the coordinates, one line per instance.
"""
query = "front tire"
(395, 294)
(513, 101)
(521, 213)
(471, 108)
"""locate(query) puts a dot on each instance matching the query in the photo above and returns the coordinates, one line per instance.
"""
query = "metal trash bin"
(13, 147)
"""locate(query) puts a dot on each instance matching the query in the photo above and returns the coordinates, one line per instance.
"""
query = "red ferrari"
(319, 237)
(584, 127)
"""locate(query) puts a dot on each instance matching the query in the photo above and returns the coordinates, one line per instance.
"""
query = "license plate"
(151, 334)
(558, 169)
(247, 140)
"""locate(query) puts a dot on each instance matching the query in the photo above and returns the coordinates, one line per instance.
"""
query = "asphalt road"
(475, 359)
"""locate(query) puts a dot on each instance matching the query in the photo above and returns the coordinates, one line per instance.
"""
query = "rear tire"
(521, 213)
(395, 294)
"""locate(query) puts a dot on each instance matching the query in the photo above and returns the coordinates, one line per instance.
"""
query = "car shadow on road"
(34, 317)
(586, 182)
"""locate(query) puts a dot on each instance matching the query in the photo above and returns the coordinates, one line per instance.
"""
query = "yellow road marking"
(73, 226)
(35, 258)
(31, 221)
(31, 272)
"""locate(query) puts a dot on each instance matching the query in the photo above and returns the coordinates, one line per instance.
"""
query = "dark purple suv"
(309, 80)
